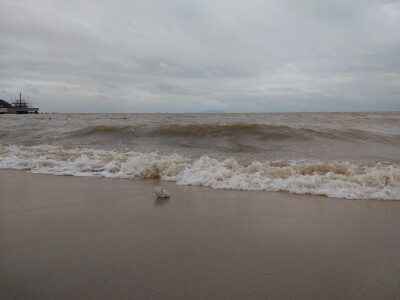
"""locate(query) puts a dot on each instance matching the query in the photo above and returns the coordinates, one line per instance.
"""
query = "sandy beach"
(64, 237)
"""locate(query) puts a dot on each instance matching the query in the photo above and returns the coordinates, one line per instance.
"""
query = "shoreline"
(85, 237)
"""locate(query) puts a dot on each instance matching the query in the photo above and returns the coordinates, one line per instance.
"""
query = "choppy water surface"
(345, 155)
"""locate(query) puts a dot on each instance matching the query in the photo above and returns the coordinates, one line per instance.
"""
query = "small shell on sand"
(161, 192)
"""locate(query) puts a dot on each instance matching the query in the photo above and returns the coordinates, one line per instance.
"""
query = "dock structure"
(20, 106)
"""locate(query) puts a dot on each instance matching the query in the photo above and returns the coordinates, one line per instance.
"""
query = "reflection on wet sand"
(160, 202)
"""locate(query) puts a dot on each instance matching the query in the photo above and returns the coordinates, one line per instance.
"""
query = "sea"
(341, 155)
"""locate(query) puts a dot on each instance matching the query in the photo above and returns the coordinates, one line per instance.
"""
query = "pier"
(19, 106)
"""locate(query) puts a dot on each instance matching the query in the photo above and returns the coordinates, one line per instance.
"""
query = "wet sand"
(97, 238)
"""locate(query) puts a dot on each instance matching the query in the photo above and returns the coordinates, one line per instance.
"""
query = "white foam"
(335, 179)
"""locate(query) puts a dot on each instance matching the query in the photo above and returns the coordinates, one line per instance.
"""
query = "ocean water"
(342, 155)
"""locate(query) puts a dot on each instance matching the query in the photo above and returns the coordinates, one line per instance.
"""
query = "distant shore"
(99, 238)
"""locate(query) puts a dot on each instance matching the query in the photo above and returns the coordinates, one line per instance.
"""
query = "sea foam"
(334, 179)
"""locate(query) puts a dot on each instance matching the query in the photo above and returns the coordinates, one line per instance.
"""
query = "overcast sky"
(193, 56)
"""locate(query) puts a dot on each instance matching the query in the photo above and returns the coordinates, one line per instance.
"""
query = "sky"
(196, 56)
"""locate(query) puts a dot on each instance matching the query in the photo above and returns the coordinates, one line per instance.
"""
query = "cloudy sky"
(194, 56)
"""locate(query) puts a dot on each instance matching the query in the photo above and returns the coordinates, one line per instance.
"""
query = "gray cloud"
(149, 56)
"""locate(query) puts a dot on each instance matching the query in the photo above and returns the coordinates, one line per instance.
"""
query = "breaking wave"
(261, 131)
(334, 179)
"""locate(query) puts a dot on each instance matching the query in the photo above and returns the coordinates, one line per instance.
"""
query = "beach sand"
(67, 237)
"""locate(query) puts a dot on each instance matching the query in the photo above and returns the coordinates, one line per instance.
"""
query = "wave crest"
(238, 130)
